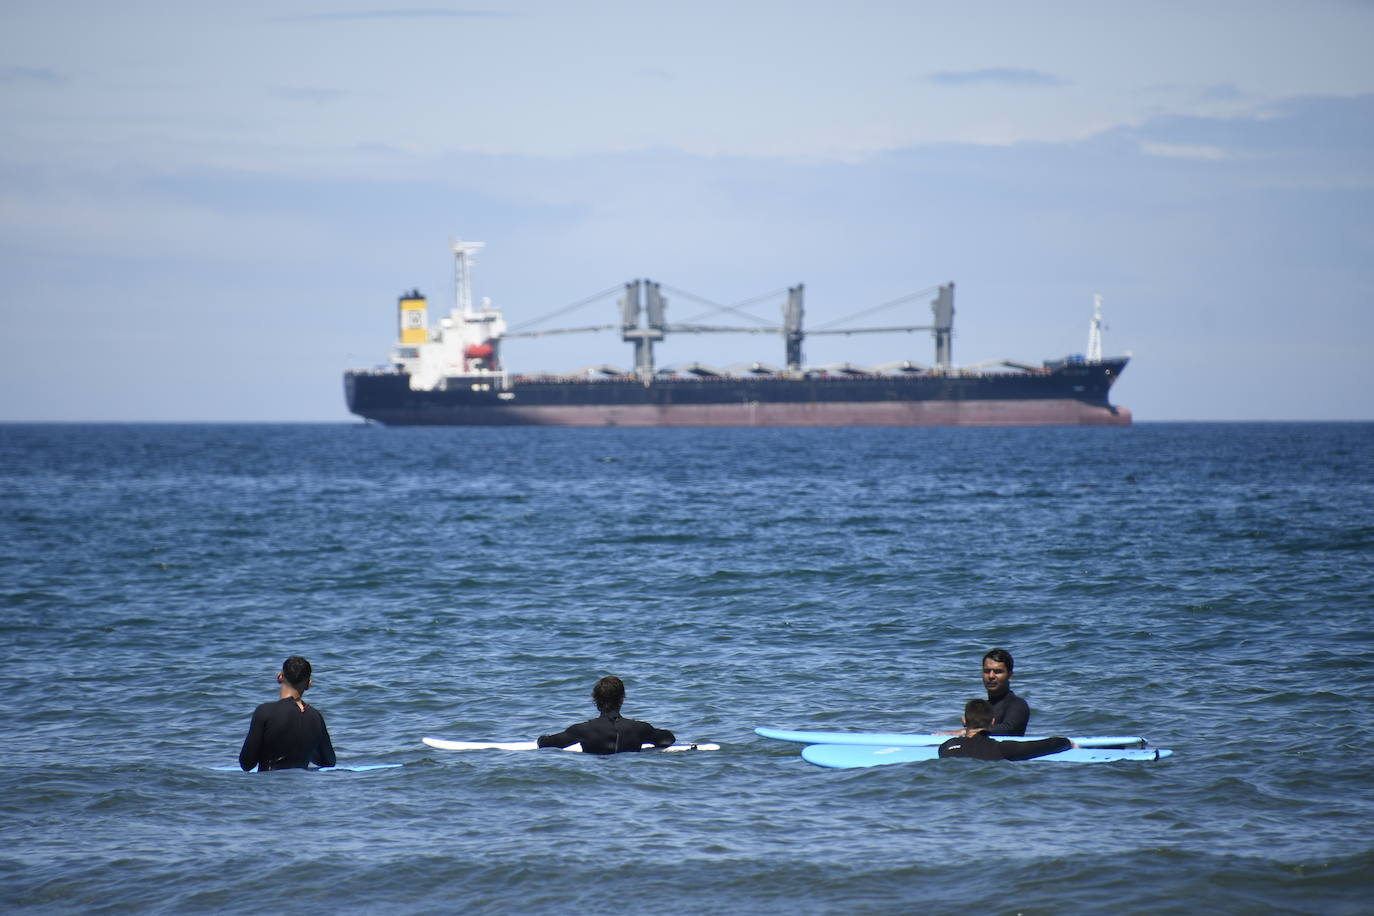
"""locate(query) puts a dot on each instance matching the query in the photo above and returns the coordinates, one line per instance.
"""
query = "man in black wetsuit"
(1010, 713)
(975, 741)
(609, 733)
(287, 734)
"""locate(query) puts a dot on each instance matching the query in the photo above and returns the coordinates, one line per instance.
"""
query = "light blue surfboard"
(354, 768)
(848, 756)
(897, 739)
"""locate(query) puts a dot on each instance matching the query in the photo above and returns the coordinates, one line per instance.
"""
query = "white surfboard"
(444, 744)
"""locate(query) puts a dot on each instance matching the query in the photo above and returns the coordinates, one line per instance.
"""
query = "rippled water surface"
(1209, 586)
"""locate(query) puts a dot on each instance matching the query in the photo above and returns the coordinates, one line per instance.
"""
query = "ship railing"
(376, 370)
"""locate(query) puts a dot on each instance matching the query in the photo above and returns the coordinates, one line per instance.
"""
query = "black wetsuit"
(282, 737)
(982, 747)
(609, 733)
(1010, 715)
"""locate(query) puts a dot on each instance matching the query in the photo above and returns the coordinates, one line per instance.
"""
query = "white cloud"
(996, 76)
(1185, 151)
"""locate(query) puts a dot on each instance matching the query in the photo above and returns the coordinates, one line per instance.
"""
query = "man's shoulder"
(586, 725)
(964, 745)
(980, 746)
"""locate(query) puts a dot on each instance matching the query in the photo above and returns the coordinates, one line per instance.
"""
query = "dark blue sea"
(1207, 586)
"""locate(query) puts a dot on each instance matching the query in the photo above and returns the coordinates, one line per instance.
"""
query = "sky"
(208, 210)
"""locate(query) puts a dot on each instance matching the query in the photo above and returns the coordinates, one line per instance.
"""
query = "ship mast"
(464, 256)
(1095, 331)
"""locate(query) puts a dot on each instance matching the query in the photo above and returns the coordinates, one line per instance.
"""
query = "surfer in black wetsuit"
(609, 733)
(975, 741)
(288, 733)
(1010, 713)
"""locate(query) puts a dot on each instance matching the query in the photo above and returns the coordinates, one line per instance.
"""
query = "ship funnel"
(412, 315)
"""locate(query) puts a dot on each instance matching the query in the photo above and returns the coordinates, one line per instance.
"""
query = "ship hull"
(1073, 395)
(931, 413)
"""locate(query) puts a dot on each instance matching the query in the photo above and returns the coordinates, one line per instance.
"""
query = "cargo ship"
(452, 374)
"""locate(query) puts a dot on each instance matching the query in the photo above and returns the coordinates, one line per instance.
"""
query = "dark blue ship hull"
(1069, 393)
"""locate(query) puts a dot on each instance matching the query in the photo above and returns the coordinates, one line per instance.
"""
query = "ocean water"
(1208, 586)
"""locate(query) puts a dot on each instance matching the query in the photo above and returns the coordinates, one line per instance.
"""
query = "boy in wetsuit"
(975, 741)
(609, 733)
(288, 733)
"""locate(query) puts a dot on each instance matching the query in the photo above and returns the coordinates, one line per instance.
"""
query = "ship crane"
(643, 309)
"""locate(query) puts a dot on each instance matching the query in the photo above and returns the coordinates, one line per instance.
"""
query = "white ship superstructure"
(463, 348)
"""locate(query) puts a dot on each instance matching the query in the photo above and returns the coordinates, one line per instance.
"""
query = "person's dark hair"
(1002, 656)
(296, 672)
(609, 693)
(977, 714)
